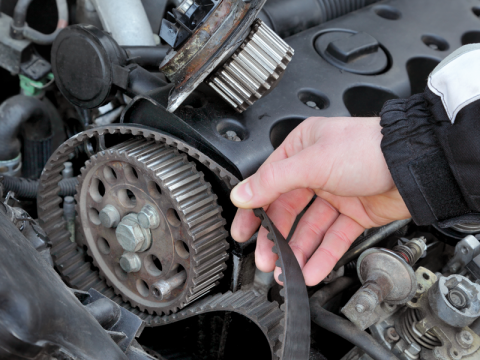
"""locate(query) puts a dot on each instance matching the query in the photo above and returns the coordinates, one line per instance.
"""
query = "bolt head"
(465, 338)
(130, 262)
(360, 308)
(148, 217)
(109, 216)
(131, 236)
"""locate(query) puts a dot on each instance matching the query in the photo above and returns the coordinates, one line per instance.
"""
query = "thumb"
(276, 178)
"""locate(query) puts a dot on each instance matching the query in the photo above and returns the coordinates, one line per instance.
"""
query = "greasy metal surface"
(420, 323)
(296, 338)
(208, 47)
(169, 183)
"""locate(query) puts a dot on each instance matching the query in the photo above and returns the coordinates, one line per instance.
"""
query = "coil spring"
(404, 327)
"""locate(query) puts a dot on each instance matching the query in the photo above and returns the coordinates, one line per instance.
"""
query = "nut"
(109, 216)
(391, 335)
(130, 262)
(148, 217)
(131, 236)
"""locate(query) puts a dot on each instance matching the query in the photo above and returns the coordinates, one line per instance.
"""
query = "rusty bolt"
(131, 236)
(391, 335)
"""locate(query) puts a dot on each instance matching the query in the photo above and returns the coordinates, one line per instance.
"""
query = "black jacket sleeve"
(432, 143)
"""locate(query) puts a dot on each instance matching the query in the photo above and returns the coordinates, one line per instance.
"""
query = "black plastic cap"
(84, 60)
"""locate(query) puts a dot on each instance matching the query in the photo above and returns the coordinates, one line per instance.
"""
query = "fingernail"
(242, 193)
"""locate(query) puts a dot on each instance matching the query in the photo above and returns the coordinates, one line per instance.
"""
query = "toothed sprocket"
(191, 234)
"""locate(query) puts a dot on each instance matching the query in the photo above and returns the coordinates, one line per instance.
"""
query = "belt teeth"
(254, 69)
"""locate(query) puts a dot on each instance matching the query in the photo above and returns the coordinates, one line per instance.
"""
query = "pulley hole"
(414, 300)
(121, 274)
(282, 129)
(109, 174)
(471, 37)
(103, 246)
(94, 216)
(476, 11)
(97, 190)
(130, 173)
(387, 12)
(313, 99)
(426, 276)
(153, 265)
(127, 198)
(173, 218)
(142, 288)
(154, 189)
(182, 249)
(435, 42)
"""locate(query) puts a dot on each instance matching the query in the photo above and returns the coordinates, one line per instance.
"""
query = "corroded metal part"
(420, 323)
(135, 175)
(286, 329)
(211, 43)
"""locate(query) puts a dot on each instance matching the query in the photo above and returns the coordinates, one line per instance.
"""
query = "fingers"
(336, 242)
(311, 229)
(244, 225)
(283, 212)
(276, 178)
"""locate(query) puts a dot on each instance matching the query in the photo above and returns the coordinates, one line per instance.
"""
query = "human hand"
(339, 160)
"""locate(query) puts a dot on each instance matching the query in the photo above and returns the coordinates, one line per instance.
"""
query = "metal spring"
(404, 326)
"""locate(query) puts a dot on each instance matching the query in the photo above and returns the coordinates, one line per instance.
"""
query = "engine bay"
(126, 124)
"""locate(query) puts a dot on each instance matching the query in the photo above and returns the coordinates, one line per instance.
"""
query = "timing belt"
(287, 328)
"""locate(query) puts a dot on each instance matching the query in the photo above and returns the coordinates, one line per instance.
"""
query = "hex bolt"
(109, 216)
(464, 339)
(163, 288)
(413, 350)
(130, 262)
(131, 236)
(148, 217)
(391, 335)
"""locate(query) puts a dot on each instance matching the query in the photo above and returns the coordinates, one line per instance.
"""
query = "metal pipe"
(380, 235)
(126, 20)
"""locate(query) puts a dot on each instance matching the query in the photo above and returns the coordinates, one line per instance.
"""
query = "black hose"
(328, 292)
(28, 189)
(22, 113)
(21, 30)
(348, 331)
(369, 241)
(287, 17)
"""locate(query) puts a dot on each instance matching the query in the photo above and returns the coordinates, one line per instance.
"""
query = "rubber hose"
(369, 241)
(348, 331)
(328, 292)
(19, 25)
(288, 17)
(20, 13)
(25, 113)
(28, 189)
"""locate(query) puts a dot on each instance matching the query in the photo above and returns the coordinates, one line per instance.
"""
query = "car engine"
(125, 124)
